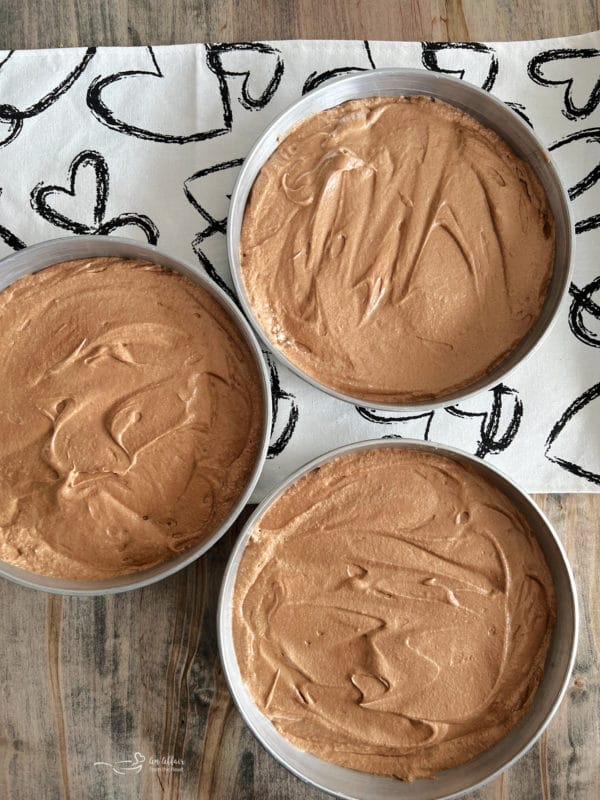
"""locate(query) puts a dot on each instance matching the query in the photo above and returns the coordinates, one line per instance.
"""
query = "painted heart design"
(471, 61)
(557, 68)
(520, 109)
(409, 431)
(315, 79)
(130, 220)
(363, 61)
(568, 443)
(588, 136)
(159, 84)
(9, 238)
(14, 117)
(497, 430)
(42, 195)
(212, 206)
(585, 311)
(261, 77)
(211, 201)
(285, 411)
(500, 423)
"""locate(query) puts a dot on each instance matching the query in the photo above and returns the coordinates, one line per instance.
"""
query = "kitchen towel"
(146, 142)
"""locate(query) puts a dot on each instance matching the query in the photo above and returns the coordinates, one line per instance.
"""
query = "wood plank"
(69, 23)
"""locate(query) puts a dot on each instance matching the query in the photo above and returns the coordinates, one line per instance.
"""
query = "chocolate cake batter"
(131, 416)
(392, 613)
(395, 249)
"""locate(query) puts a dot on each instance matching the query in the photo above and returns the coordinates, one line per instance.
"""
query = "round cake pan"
(37, 257)
(451, 783)
(488, 110)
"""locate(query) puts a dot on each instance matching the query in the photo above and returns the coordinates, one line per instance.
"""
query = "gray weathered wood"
(69, 23)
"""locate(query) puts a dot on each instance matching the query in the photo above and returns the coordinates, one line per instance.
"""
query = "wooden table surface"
(99, 679)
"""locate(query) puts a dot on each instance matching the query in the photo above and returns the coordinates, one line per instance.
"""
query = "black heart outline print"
(41, 193)
(589, 135)
(277, 395)
(491, 439)
(213, 60)
(15, 117)
(521, 110)
(213, 225)
(367, 47)
(431, 50)
(315, 79)
(382, 418)
(104, 115)
(583, 302)
(9, 238)
(212, 273)
(576, 406)
(571, 111)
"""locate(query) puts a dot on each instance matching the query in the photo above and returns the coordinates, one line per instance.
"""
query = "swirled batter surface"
(392, 613)
(395, 249)
(130, 417)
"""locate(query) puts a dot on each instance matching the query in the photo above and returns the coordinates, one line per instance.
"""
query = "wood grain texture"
(70, 23)
(99, 679)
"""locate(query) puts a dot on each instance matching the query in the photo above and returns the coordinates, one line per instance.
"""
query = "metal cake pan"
(488, 110)
(451, 783)
(37, 257)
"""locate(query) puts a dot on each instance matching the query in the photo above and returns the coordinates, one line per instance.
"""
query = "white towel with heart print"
(146, 142)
